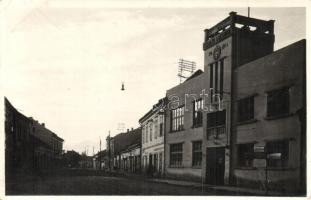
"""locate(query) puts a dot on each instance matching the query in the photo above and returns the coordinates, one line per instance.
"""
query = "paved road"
(101, 185)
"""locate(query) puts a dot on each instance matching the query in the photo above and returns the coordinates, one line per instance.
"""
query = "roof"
(8, 105)
(195, 74)
(123, 140)
(161, 104)
(293, 47)
(101, 154)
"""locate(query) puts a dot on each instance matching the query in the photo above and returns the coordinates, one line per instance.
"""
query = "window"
(197, 153)
(245, 154)
(143, 135)
(216, 79)
(246, 109)
(160, 162)
(177, 119)
(278, 102)
(277, 153)
(147, 130)
(156, 129)
(197, 112)
(161, 129)
(150, 133)
(176, 155)
(215, 119)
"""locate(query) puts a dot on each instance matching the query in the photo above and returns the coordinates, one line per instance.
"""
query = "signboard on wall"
(259, 149)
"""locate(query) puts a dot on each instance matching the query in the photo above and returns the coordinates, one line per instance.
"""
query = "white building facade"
(152, 149)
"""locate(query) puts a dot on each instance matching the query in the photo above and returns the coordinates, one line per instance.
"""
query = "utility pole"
(99, 153)
(100, 144)
(109, 152)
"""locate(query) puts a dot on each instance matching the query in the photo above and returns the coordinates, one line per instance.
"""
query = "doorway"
(215, 165)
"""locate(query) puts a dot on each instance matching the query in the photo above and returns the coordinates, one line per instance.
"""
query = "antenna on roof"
(121, 127)
(185, 69)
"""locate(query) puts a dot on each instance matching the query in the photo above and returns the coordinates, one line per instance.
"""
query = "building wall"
(237, 43)
(50, 146)
(190, 134)
(223, 140)
(131, 160)
(153, 145)
(283, 68)
(18, 142)
(28, 151)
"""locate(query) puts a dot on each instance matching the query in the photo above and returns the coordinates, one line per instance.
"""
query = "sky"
(64, 65)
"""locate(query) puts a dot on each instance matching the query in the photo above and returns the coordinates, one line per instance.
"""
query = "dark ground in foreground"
(101, 185)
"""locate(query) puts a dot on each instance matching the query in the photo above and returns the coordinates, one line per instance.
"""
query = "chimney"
(128, 130)
(132, 129)
(43, 124)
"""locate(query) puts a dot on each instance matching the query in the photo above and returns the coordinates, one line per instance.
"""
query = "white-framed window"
(177, 119)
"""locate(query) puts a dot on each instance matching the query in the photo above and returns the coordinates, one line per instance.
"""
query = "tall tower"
(231, 43)
(228, 45)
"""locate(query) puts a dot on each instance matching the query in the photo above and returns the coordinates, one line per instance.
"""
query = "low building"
(86, 162)
(48, 147)
(71, 159)
(29, 146)
(269, 134)
(131, 159)
(120, 143)
(101, 160)
(19, 142)
(153, 124)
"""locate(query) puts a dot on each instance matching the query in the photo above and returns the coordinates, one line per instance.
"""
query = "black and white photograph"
(172, 98)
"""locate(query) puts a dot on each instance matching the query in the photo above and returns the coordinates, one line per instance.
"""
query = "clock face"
(217, 52)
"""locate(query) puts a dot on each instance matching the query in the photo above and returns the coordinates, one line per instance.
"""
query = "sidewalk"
(225, 188)
(233, 189)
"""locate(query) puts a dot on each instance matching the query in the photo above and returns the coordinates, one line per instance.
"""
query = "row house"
(49, 146)
(123, 148)
(131, 159)
(29, 146)
(152, 146)
(101, 160)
